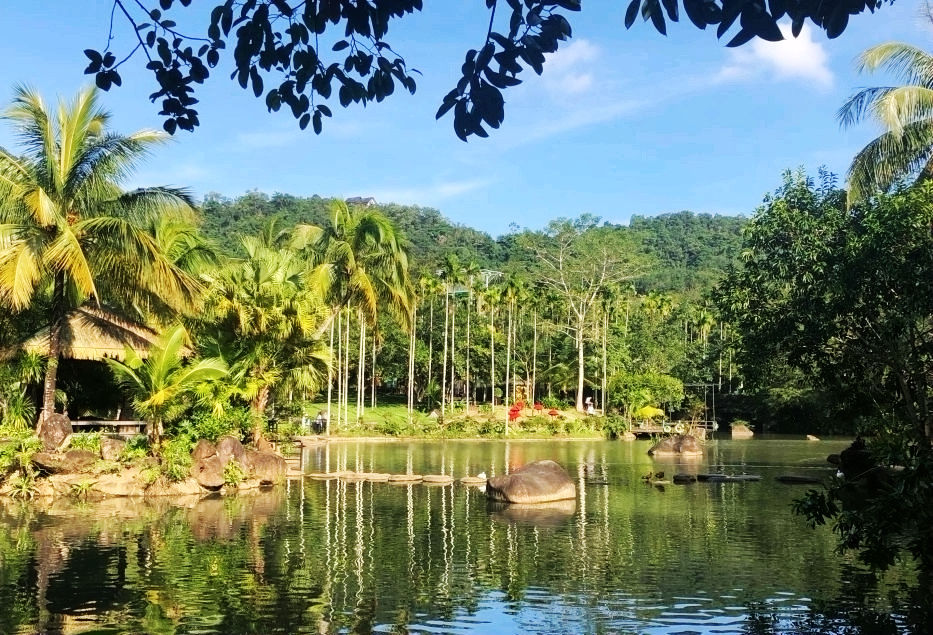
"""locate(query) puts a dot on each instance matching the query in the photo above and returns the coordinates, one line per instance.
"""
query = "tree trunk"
(469, 311)
(444, 365)
(411, 362)
(339, 366)
(361, 370)
(330, 379)
(372, 373)
(346, 369)
(156, 430)
(259, 410)
(508, 356)
(534, 359)
(431, 344)
(453, 342)
(492, 356)
(580, 365)
(55, 349)
(605, 361)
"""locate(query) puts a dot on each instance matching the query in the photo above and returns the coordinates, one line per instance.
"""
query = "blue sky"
(621, 123)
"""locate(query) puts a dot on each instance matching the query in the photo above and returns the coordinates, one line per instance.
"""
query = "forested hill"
(689, 251)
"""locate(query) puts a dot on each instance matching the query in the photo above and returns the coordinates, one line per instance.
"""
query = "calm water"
(327, 557)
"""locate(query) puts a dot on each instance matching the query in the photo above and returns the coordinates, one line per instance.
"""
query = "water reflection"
(361, 557)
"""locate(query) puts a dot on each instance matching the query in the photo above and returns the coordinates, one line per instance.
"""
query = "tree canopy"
(303, 55)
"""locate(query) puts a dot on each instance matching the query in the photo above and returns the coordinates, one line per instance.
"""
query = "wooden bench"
(120, 428)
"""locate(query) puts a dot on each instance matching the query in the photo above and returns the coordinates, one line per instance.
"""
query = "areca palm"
(160, 383)
(66, 225)
(905, 112)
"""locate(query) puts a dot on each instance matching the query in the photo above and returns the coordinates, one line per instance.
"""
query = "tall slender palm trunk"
(431, 344)
(339, 367)
(330, 379)
(534, 358)
(508, 355)
(412, 339)
(469, 311)
(361, 370)
(444, 365)
(346, 369)
(453, 341)
(372, 375)
(605, 361)
(492, 355)
(580, 364)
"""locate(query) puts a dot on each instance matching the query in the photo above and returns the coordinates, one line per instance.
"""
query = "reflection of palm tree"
(905, 112)
(66, 224)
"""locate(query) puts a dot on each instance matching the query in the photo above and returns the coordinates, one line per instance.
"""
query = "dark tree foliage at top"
(301, 54)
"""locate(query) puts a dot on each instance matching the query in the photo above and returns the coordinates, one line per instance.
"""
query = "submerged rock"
(681, 444)
(268, 468)
(538, 482)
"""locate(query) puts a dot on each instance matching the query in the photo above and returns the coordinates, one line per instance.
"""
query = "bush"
(86, 441)
(204, 424)
(176, 459)
(136, 448)
(555, 403)
(233, 474)
(615, 426)
(16, 455)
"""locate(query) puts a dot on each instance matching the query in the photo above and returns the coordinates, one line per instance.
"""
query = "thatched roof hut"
(95, 334)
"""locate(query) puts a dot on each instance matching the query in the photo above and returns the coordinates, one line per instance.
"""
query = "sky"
(621, 123)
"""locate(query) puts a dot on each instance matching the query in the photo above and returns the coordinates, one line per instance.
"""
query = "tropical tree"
(160, 383)
(359, 261)
(263, 317)
(69, 234)
(577, 260)
(905, 112)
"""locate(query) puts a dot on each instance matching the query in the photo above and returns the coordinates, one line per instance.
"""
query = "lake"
(360, 557)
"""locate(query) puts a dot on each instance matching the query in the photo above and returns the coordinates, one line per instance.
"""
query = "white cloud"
(569, 70)
(800, 58)
(424, 194)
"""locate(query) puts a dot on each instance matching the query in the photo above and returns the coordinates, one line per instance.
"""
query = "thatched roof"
(95, 334)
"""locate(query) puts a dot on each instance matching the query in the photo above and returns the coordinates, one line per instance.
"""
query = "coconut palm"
(471, 272)
(905, 112)
(159, 384)
(65, 224)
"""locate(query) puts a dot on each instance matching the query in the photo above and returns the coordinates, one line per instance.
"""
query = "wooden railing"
(121, 428)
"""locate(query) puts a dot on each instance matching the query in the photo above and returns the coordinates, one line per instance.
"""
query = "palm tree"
(66, 226)
(452, 274)
(905, 112)
(360, 262)
(265, 316)
(160, 383)
(471, 271)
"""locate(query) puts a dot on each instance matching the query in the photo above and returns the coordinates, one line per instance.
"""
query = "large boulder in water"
(230, 449)
(268, 468)
(538, 482)
(209, 472)
(54, 431)
(677, 444)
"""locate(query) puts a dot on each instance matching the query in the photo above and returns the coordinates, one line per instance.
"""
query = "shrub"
(233, 474)
(176, 459)
(86, 441)
(207, 425)
(615, 426)
(24, 485)
(17, 455)
(555, 403)
(136, 448)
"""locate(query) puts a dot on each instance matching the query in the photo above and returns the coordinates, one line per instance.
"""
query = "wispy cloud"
(793, 58)
(429, 194)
